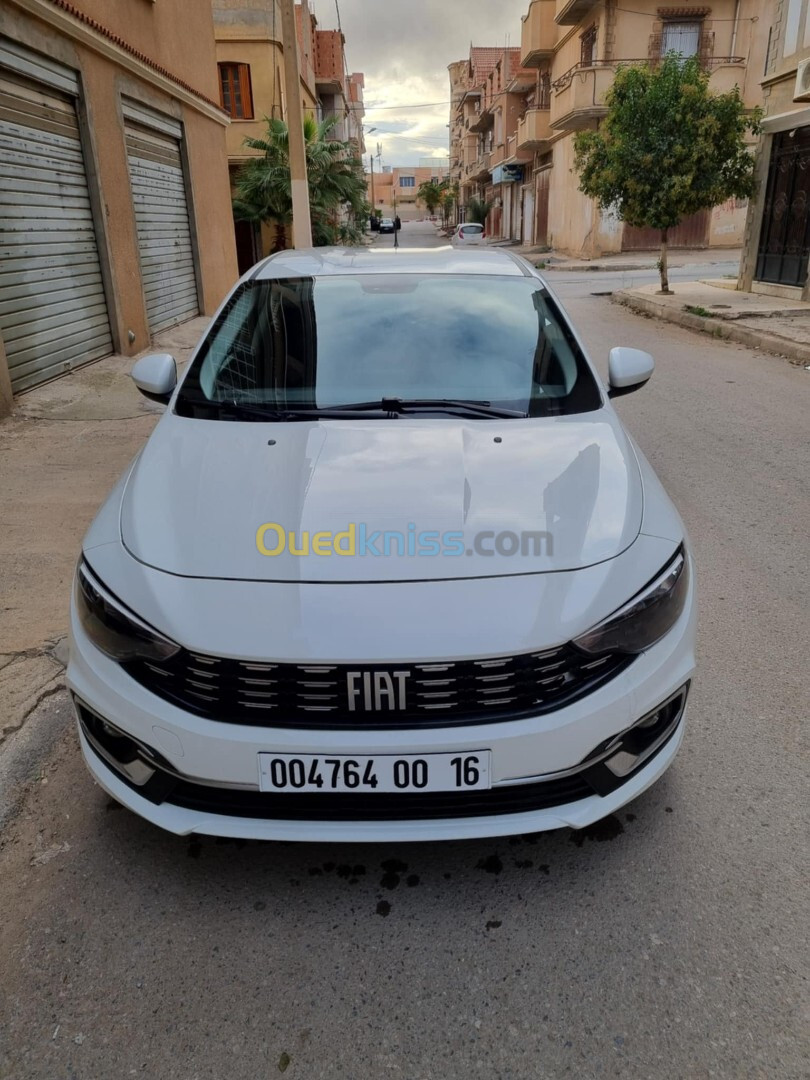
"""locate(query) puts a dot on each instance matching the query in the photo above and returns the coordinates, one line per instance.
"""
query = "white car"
(413, 582)
(468, 233)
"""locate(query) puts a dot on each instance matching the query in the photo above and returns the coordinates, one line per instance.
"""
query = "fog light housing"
(627, 753)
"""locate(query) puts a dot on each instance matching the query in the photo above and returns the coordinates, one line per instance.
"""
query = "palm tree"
(336, 183)
(478, 210)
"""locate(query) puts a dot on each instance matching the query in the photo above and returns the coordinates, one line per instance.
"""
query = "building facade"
(393, 191)
(777, 240)
(569, 54)
(250, 63)
(114, 199)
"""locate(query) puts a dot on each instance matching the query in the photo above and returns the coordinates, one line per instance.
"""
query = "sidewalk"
(61, 451)
(715, 307)
(625, 260)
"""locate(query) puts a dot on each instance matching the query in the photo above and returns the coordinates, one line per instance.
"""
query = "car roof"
(331, 262)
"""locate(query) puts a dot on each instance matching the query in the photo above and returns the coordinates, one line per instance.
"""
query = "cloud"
(404, 52)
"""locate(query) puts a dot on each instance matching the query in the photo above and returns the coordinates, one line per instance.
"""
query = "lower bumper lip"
(146, 772)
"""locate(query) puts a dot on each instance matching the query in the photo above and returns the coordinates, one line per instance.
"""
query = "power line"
(417, 105)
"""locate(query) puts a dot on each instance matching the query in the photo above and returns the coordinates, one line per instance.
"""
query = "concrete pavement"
(62, 448)
(669, 941)
(715, 307)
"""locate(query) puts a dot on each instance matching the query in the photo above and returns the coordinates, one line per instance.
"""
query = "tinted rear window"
(334, 341)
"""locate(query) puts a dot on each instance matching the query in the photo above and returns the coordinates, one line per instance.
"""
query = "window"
(681, 37)
(234, 91)
(407, 181)
(304, 343)
(588, 47)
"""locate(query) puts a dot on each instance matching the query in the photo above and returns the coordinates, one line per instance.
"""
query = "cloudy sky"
(404, 51)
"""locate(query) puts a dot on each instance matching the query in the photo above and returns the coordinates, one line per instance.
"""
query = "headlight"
(644, 619)
(117, 632)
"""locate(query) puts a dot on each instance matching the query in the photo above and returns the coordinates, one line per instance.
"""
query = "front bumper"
(535, 756)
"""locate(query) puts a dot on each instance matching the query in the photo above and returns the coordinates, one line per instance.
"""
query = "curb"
(722, 329)
(26, 751)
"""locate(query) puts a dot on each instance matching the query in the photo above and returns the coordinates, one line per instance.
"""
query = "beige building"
(114, 199)
(393, 191)
(250, 63)
(777, 240)
(573, 48)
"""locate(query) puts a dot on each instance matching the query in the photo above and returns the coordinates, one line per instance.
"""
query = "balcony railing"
(534, 129)
(727, 72)
(497, 155)
(514, 153)
(578, 96)
(538, 34)
(482, 167)
(570, 12)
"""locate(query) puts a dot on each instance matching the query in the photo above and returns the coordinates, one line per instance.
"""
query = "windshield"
(310, 344)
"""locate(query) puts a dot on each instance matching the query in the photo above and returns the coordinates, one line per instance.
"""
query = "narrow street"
(660, 943)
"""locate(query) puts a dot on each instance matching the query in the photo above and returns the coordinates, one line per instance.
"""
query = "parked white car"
(413, 582)
(468, 233)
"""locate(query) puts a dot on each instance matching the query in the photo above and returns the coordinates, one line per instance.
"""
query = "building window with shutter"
(588, 47)
(681, 37)
(234, 91)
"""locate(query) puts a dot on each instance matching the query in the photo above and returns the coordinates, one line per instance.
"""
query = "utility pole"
(302, 224)
(373, 200)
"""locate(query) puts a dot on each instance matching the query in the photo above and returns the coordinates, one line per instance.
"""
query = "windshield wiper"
(386, 407)
(453, 406)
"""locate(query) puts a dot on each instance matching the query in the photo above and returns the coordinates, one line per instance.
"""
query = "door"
(506, 211)
(161, 216)
(53, 309)
(784, 238)
(528, 216)
(541, 211)
(247, 245)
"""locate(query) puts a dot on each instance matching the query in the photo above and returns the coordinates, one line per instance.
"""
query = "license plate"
(384, 773)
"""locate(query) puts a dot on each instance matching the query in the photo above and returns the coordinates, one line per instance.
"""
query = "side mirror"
(628, 370)
(156, 376)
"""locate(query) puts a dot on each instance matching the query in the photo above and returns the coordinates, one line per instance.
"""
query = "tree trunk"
(662, 264)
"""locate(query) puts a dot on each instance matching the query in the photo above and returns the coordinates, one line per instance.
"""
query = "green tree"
(667, 148)
(337, 187)
(449, 198)
(430, 192)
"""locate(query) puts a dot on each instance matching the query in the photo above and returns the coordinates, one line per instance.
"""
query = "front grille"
(436, 694)
(517, 799)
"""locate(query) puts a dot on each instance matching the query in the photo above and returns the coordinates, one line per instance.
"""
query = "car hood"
(513, 497)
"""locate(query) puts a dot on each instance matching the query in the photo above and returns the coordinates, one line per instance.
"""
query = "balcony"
(538, 34)
(571, 12)
(534, 129)
(482, 168)
(727, 72)
(482, 122)
(515, 154)
(578, 96)
(497, 155)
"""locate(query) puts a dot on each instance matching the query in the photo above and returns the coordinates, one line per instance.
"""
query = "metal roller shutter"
(53, 311)
(161, 216)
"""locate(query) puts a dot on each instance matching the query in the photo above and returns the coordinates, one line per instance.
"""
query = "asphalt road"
(670, 941)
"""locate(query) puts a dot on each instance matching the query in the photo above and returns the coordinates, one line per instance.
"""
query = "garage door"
(161, 216)
(53, 311)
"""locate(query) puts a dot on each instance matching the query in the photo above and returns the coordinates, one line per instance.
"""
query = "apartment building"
(573, 48)
(777, 240)
(469, 147)
(250, 63)
(393, 191)
(114, 198)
